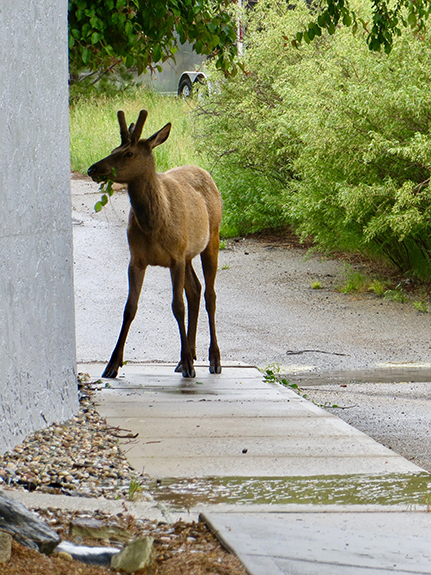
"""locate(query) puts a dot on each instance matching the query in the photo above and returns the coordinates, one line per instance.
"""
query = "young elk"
(174, 216)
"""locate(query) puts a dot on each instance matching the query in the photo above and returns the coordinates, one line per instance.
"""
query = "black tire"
(185, 89)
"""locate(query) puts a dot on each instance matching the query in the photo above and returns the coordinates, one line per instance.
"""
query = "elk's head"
(133, 159)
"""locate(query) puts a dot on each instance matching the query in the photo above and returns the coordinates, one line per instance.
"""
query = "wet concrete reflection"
(394, 489)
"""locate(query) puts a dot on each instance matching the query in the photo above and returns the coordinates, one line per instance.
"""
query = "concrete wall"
(37, 334)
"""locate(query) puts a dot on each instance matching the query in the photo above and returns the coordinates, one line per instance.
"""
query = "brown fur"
(174, 217)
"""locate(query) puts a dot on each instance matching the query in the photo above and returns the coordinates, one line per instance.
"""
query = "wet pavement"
(287, 486)
(291, 488)
(330, 543)
(392, 405)
(267, 311)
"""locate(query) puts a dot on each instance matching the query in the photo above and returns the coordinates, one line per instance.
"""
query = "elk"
(174, 216)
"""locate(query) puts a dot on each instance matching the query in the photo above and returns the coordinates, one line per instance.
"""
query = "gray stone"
(26, 527)
(5, 546)
(88, 555)
(137, 555)
(96, 529)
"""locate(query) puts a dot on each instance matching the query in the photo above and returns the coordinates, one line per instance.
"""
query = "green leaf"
(347, 20)
(95, 37)
(374, 45)
(128, 28)
(157, 53)
(411, 19)
(86, 55)
(321, 21)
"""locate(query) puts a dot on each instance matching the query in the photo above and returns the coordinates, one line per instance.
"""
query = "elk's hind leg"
(193, 292)
(209, 259)
(178, 272)
(136, 278)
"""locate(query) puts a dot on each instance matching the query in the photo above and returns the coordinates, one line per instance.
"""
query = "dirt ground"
(192, 549)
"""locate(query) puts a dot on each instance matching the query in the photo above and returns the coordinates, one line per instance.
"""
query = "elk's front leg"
(178, 308)
(136, 278)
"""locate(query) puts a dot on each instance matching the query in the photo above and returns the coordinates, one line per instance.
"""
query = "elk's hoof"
(189, 373)
(216, 369)
(186, 368)
(110, 372)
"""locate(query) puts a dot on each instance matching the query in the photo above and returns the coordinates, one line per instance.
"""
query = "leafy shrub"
(331, 138)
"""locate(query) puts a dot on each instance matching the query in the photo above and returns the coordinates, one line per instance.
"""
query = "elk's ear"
(137, 130)
(160, 136)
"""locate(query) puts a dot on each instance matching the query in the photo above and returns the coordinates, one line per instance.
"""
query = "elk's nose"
(91, 170)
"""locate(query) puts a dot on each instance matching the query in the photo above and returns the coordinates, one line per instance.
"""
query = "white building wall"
(37, 334)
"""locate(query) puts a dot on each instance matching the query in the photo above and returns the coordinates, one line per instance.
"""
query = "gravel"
(80, 457)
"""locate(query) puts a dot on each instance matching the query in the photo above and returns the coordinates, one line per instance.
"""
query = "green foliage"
(421, 306)
(397, 295)
(354, 281)
(329, 137)
(272, 375)
(378, 287)
(145, 33)
(316, 284)
(106, 190)
(387, 21)
(135, 487)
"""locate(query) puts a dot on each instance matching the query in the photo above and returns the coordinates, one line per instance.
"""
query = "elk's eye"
(129, 154)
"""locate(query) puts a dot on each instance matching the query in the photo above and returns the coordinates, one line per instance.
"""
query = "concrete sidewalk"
(244, 453)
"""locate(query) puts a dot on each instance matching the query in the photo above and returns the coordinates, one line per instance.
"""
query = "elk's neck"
(149, 204)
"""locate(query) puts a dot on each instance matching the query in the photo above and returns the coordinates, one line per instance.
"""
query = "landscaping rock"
(5, 546)
(88, 555)
(98, 468)
(65, 556)
(26, 527)
(97, 529)
(136, 555)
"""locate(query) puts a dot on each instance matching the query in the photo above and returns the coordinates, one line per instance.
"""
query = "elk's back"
(192, 218)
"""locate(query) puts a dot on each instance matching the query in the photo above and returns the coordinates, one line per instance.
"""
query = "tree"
(144, 33)
(386, 22)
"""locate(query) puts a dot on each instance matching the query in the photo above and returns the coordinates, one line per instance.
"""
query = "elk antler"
(137, 130)
(124, 132)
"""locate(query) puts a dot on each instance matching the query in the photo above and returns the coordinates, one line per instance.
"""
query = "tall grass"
(94, 130)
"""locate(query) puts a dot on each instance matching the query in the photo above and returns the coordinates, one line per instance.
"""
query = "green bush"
(331, 138)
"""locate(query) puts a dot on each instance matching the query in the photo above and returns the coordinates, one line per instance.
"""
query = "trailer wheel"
(185, 89)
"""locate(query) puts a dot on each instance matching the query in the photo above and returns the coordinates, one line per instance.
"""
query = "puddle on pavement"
(391, 489)
(397, 373)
